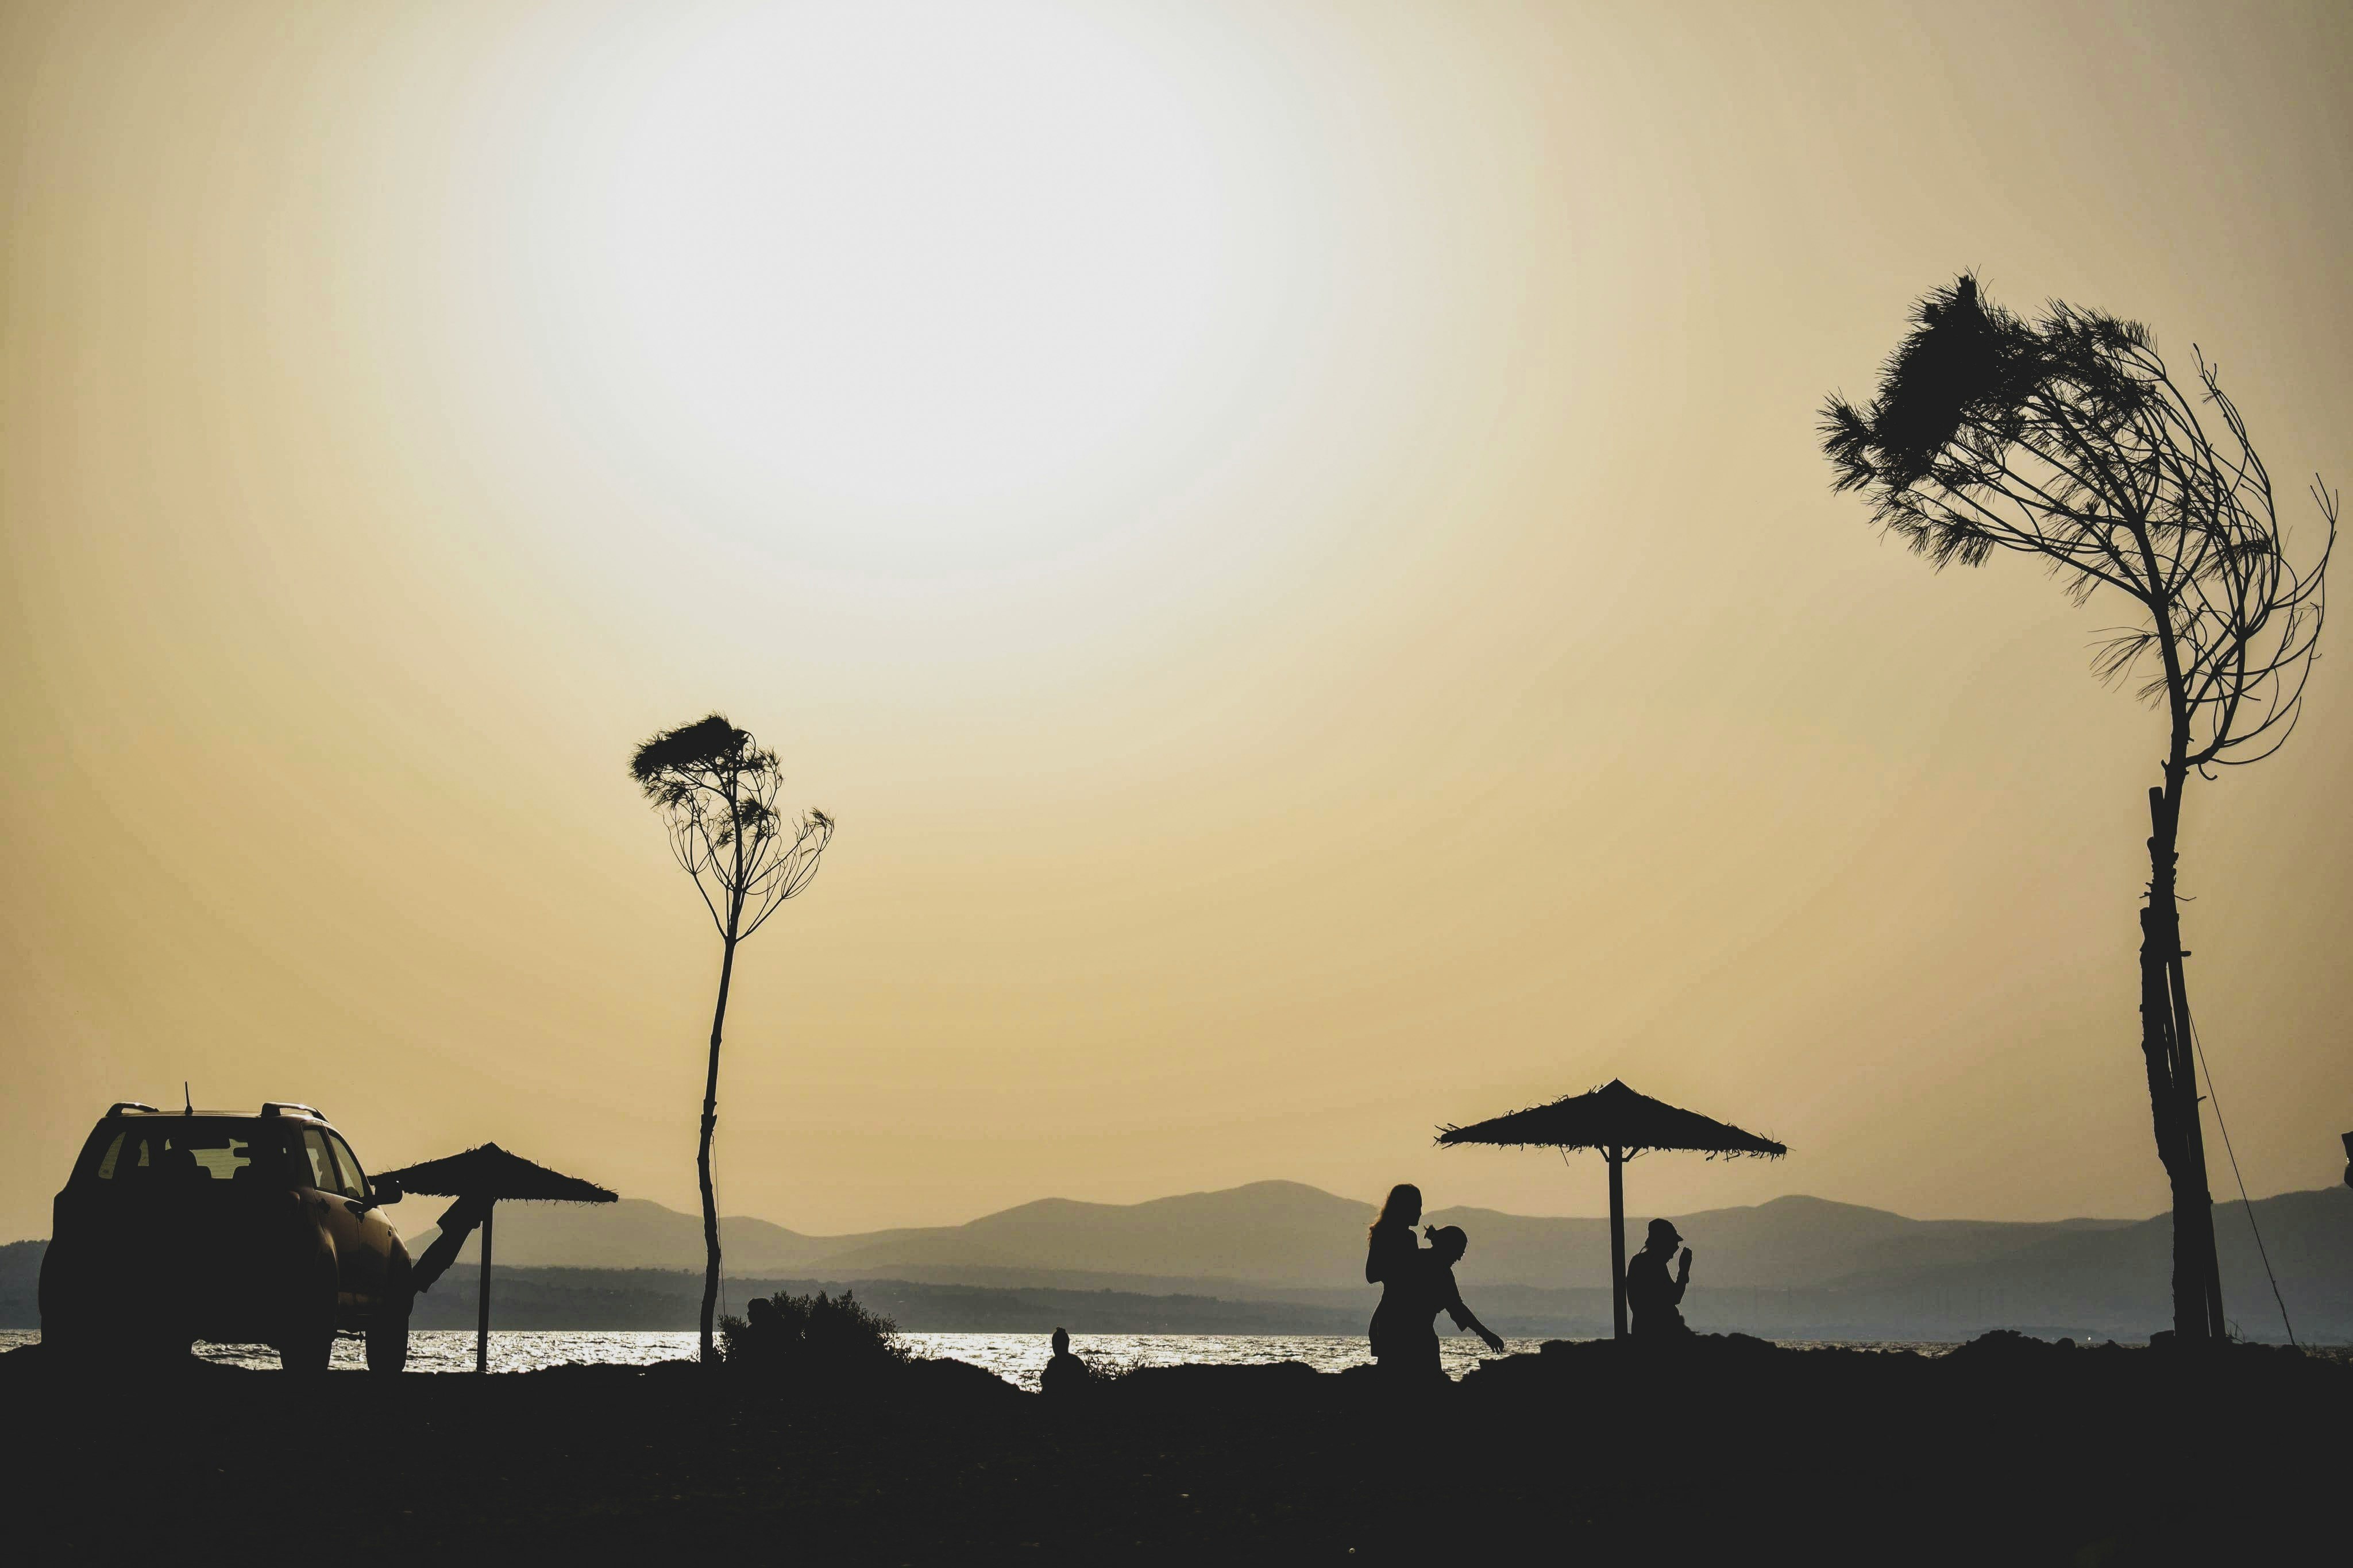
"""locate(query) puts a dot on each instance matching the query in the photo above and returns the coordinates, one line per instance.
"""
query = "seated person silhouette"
(1652, 1297)
(1436, 1291)
(1066, 1374)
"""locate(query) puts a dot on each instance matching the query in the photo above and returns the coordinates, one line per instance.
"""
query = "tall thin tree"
(716, 789)
(2067, 437)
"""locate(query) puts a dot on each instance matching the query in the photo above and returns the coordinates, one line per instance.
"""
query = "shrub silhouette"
(817, 1336)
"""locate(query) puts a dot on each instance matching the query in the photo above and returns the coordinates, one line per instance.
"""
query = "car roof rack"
(119, 1106)
(280, 1107)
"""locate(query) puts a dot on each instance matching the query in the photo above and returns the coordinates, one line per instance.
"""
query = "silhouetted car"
(181, 1226)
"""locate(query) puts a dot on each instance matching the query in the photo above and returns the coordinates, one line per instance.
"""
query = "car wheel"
(387, 1335)
(91, 1328)
(149, 1341)
(308, 1353)
(310, 1343)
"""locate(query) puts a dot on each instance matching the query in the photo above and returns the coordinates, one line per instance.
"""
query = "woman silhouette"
(1393, 1261)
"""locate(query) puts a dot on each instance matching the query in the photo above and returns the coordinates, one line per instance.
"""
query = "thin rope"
(2245, 1203)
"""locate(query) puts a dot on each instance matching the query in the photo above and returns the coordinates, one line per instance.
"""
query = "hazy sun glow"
(911, 269)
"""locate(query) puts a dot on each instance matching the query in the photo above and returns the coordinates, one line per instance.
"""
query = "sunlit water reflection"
(1016, 1358)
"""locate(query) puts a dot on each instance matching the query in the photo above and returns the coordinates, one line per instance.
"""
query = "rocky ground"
(2006, 1451)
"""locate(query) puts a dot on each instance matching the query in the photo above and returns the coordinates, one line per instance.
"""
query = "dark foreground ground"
(2004, 1451)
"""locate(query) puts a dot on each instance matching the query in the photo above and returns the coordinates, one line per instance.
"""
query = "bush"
(815, 1336)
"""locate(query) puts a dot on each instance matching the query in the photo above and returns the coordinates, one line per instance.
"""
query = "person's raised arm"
(1470, 1321)
(1465, 1319)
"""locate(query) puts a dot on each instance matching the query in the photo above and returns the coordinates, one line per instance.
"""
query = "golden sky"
(1290, 535)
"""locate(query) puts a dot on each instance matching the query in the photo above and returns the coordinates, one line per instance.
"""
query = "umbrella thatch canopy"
(490, 1172)
(1622, 1124)
(479, 1179)
(1612, 1116)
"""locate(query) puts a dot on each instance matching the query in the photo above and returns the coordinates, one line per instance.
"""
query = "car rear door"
(327, 1196)
(373, 1234)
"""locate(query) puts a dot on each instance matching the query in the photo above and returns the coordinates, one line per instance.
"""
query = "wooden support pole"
(1617, 1158)
(483, 1302)
(2185, 1047)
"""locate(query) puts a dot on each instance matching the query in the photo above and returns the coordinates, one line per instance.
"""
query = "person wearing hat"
(1439, 1293)
(1654, 1299)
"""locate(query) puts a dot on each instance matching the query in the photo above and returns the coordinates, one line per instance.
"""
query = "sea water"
(1016, 1358)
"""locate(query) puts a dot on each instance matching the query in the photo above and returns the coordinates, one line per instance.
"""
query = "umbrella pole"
(483, 1299)
(1617, 1158)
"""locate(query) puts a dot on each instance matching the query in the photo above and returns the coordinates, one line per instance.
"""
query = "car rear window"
(205, 1151)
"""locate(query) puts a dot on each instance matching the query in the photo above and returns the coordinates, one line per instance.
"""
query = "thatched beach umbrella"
(1622, 1124)
(479, 1179)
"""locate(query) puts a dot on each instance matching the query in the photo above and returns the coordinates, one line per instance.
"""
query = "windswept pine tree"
(2068, 438)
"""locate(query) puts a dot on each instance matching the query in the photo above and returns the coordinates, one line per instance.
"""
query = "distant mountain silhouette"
(1278, 1255)
(1287, 1241)
(2308, 1235)
(631, 1234)
(20, 1284)
(1790, 1243)
(1267, 1232)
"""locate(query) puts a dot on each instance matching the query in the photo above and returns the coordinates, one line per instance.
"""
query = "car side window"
(106, 1161)
(321, 1171)
(355, 1179)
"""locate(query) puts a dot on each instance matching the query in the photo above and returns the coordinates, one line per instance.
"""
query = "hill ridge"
(1291, 1235)
(1795, 1263)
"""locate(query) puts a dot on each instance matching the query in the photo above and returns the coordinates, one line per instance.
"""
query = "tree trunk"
(2168, 1051)
(702, 1155)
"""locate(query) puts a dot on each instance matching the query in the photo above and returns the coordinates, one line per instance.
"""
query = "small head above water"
(1061, 1341)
